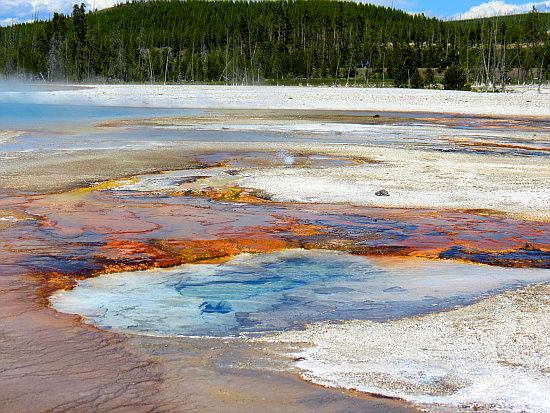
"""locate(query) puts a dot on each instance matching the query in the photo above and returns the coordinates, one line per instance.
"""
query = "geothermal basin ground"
(191, 248)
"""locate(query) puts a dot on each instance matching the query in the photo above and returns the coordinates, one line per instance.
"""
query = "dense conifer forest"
(310, 41)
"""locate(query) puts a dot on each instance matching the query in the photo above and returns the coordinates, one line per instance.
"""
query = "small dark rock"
(382, 192)
(232, 172)
(376, 116)
(395, 289)
(260, 194)
(191, 179)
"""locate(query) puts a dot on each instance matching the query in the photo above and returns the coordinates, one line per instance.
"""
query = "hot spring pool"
(282, 290)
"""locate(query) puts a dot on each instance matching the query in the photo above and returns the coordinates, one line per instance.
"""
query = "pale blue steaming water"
(53, 128)
(27, 115)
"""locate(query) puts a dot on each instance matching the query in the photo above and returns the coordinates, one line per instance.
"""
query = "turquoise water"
(54, 128)
(277, 291)
(28, 115)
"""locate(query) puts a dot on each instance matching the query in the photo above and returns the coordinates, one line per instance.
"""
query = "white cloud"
(20, 11)
(501, 8)
(102, 4)
(6, 22)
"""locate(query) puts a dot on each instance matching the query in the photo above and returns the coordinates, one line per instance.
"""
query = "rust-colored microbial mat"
(49, 242)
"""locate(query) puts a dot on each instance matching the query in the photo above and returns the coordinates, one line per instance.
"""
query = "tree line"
(249, 42)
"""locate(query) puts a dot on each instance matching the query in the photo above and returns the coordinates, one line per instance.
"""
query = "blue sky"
(469, 8)
(433, 7)
(17, 11)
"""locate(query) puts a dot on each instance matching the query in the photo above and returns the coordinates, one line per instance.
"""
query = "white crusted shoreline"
(513, 186)
(525, 104)
(493, 355)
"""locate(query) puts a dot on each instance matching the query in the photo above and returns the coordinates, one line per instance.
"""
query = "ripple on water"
(277, 291)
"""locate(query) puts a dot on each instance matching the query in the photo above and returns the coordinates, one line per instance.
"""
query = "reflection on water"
(255, 293)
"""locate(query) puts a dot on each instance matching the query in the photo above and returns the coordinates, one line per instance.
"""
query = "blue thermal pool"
(277, 291)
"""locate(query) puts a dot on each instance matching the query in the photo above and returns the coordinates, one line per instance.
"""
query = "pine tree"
(454, 78)
(531, 26)
(79, 39)
(429, 78)
(400, 78)
(416, 80)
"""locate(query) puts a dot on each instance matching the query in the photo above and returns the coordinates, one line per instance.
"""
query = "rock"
(376, 116)
(191, 179)
(260, 194)
(382, 192)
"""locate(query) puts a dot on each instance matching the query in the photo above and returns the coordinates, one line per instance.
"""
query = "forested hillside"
(251, 42)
